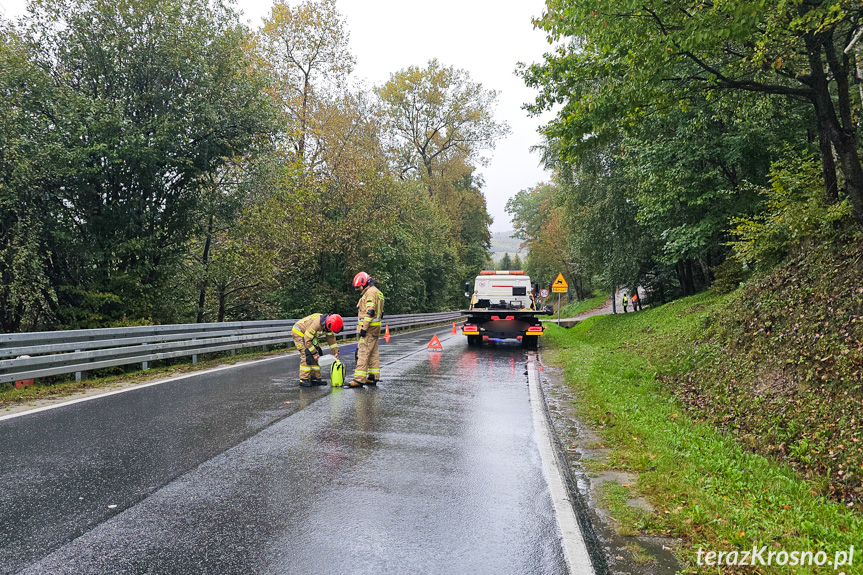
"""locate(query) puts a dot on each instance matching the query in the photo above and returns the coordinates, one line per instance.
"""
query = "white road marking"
(572, 540)
(139, 386)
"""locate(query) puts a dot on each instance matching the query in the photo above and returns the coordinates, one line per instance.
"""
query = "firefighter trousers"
(307, 370)
(368, 361)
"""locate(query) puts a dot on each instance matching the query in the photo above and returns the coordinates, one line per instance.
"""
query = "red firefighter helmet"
(335, 323)
(361, 280)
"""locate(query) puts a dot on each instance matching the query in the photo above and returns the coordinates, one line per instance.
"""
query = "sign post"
(559, 286)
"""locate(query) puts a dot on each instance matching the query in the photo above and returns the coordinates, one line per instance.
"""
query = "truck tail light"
(510, 317)
(535, 330)
(470, 330)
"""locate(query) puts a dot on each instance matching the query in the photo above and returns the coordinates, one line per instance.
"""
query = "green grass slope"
(649, 383)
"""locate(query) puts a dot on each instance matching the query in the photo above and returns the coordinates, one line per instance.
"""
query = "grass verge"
(579, 307)
(705, 486)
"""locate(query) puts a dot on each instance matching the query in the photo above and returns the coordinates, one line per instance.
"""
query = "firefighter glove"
(362, 333)
(319, 350)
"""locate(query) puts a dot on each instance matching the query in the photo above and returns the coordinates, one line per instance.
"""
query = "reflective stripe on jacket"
(370, 308)
(310, 329)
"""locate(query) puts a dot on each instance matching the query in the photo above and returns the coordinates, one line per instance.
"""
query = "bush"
(729, 275)
(796, 212)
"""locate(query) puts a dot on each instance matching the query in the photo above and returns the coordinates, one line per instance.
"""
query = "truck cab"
(502, 306)
(502, 290)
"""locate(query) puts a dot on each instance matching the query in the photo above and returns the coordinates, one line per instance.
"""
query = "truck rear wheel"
(530, 342)
(474, 340)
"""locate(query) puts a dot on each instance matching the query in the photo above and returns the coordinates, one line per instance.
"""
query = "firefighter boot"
(306, 383)
(354, 384)
(371, 380)
(318, 381)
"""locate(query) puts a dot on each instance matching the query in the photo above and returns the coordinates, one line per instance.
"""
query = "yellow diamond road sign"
(559, 285)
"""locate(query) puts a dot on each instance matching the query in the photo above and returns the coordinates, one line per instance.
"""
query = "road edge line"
(575, 551)
(141, 386)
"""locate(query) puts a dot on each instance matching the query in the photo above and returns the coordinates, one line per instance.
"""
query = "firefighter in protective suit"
(370, 311)
(306, 333)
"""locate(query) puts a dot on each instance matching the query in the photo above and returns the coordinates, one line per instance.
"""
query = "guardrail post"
(145, 364)
(80, 375)
(194, 355)
(233, 352)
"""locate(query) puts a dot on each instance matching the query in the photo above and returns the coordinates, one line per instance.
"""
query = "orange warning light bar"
(501, 273)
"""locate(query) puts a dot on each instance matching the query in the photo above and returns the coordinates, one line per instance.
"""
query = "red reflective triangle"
(435, 343)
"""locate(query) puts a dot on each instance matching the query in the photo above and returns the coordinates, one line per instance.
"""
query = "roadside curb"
(582, 548)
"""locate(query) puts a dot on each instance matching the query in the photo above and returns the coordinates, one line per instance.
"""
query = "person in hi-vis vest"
(306, 333)
(370, 311)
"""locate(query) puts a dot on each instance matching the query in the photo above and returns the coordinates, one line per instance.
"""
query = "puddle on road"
(624, 555)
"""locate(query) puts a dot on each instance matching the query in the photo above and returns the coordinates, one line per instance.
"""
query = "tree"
(26, 296)
(305, 49)
(695, 170)
(656, 55)
(516, 262)
(148, 98)
(438, 116)
(539, 219)
(505, 262)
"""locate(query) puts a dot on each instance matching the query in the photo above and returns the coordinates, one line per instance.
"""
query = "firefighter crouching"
(370, 311)
(306, 333)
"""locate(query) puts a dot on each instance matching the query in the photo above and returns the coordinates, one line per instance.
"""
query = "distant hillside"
(504, 243)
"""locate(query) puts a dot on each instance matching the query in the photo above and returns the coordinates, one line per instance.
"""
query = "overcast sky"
(485, 37)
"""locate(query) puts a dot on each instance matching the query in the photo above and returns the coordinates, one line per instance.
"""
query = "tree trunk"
(838, 132)
(828, 164)
(690, 277)
(222, 297)
(205, 260)
(681, 276)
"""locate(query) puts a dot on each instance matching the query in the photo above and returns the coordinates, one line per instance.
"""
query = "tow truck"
(503, 306)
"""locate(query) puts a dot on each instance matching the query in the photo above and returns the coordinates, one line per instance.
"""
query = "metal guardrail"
(42, 354)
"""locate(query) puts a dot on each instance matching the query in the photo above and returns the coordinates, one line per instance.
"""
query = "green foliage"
(160, 162)
(135, 104)
(539, 220)
(659, 57)
(728, 276)
(796, 212)
(438, 115)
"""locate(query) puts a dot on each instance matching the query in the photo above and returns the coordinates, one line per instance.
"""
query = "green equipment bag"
(337, 374)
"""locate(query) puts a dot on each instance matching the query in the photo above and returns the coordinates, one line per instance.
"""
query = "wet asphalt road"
(434, 471)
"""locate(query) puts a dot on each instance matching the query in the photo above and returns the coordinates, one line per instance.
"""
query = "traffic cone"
(435, 343)
(453, 328)
(387, 334)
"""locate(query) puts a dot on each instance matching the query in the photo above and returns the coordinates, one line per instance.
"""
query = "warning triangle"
(434, 343)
